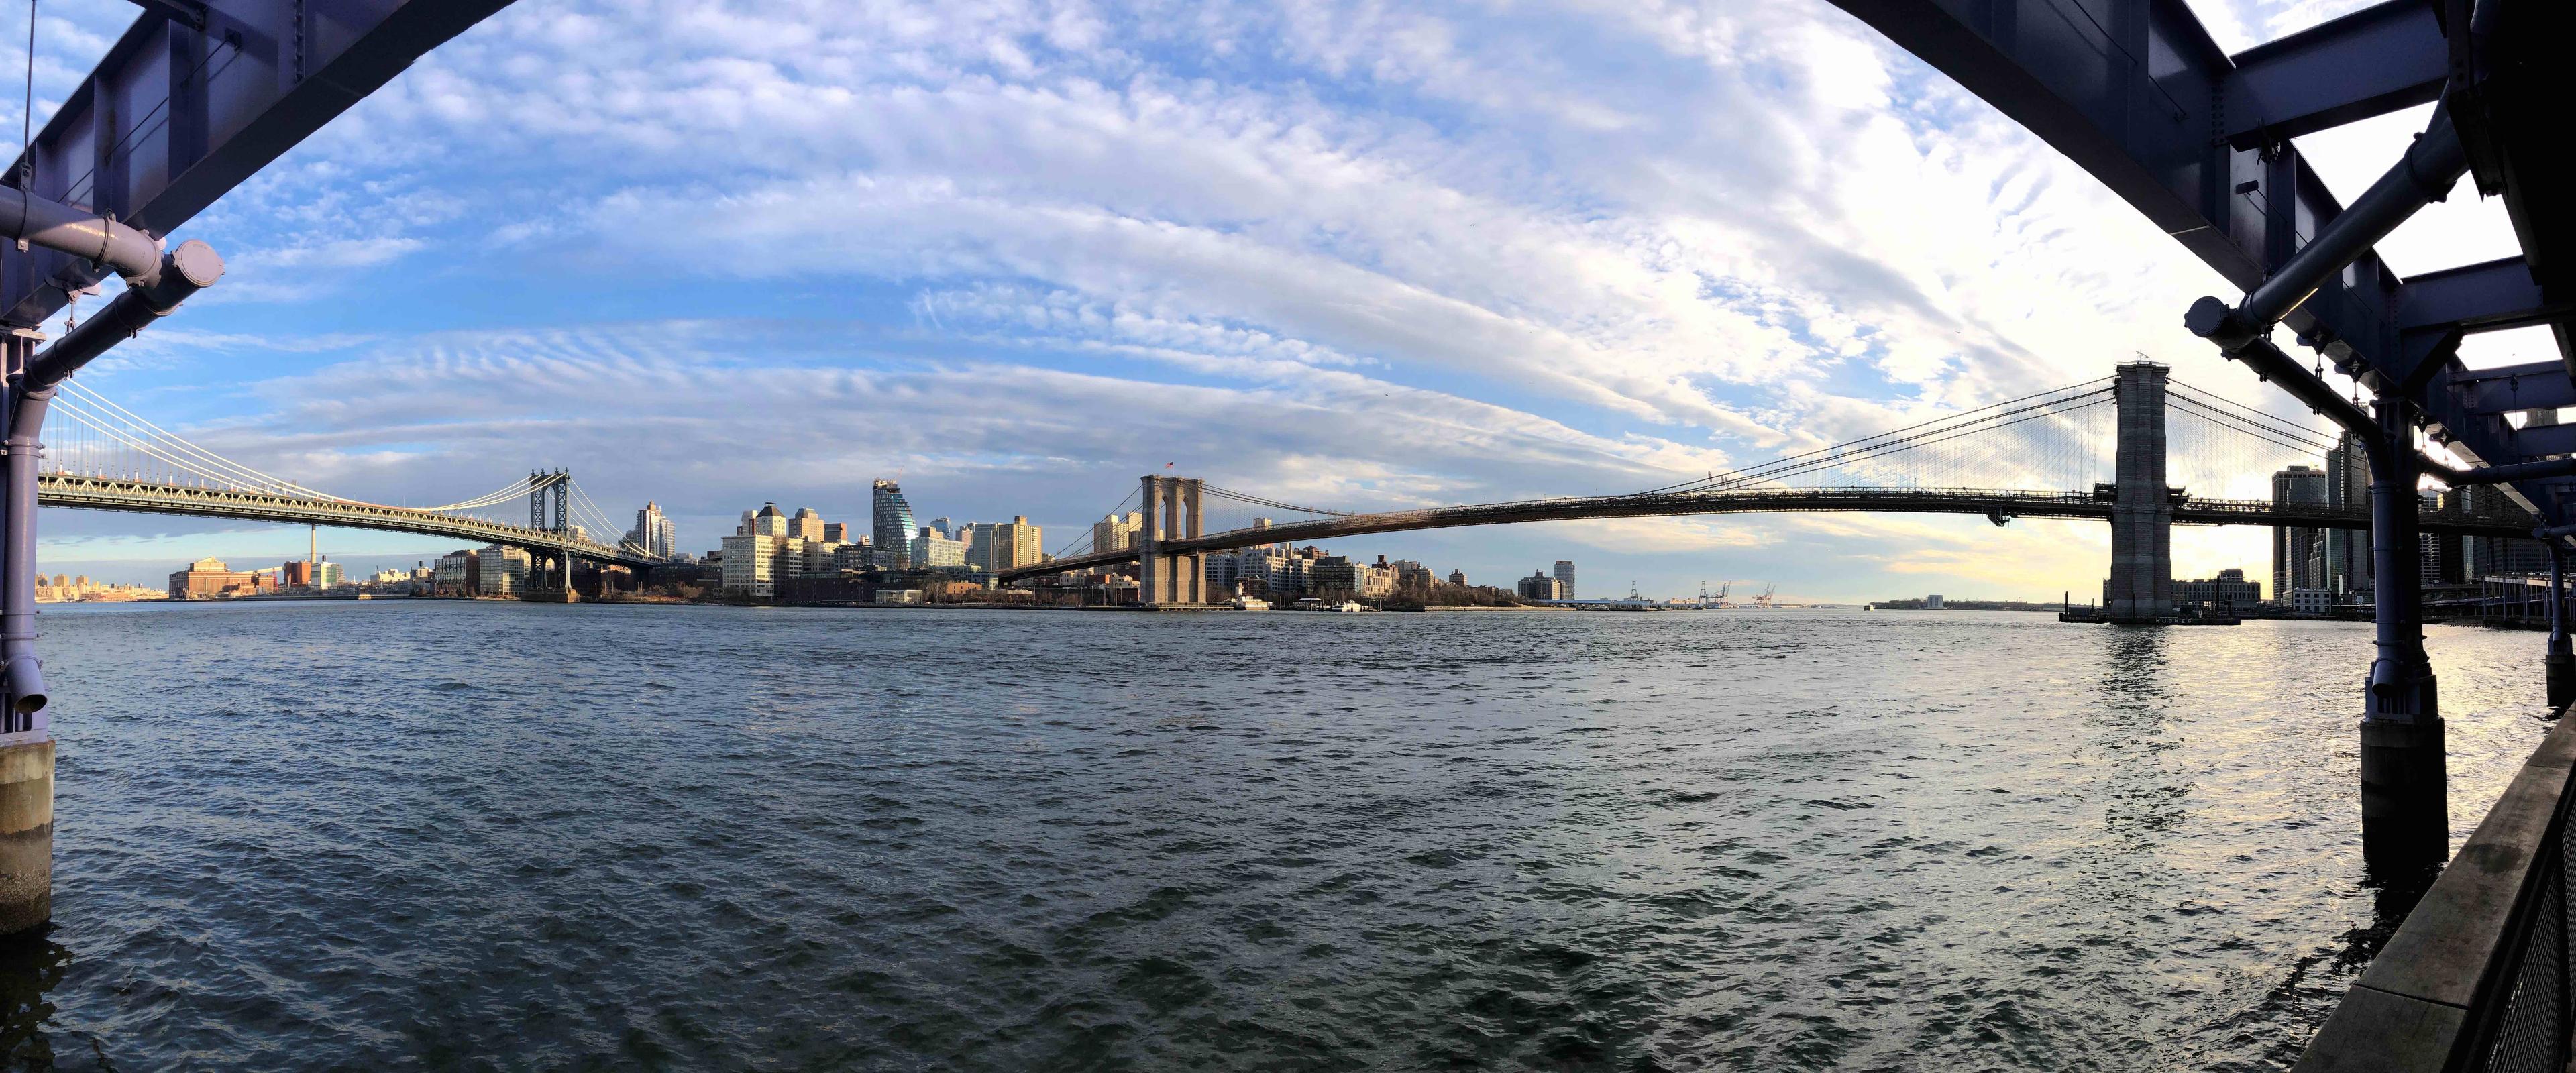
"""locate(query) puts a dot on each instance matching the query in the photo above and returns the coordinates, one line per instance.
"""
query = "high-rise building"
(765, 522)
(2294, 547)
(947, 528)
(806, 524)
(836, 532)
(1262, 571)
(1540, 586)
(754, 563)
(979, 547)
(768, 548)
(2486, 556)
(2346, 562)
(2428, 546)
(1003, 545)
(653, 533)
(1457, 575)
(1117, 532)
(1225, 571)
(1565, 578)
(932, 551)
(1338, 576)
(893, 522)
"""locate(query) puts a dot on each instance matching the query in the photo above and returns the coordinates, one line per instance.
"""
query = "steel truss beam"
(2514, 388)
(194, 98)
(2373, 61)
(2137, 93)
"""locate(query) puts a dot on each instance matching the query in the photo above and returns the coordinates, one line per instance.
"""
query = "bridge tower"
(2142, 515)
(1172, 512)
(544, 487)
(550, 510)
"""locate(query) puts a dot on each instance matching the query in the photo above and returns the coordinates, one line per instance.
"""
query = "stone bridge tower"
(1172, 509)
(2141, 589)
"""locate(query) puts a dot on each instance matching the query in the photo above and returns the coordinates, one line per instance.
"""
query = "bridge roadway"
(1997, 504)
(152, 497)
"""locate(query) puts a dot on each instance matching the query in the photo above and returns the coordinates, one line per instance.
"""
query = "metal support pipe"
(2210, 319)
(186, 270)
(32, 378)
(2405, 818)
(26, 679)
(2431, 165)
(80, 233)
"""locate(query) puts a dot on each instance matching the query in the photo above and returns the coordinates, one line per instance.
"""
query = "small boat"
(1352, 606)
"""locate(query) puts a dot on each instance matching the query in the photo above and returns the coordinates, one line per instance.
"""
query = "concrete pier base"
(2562, 679)
(2405, 816)
(26, 836)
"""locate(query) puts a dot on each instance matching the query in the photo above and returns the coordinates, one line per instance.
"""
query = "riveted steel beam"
(181, 109)
(2375, 60)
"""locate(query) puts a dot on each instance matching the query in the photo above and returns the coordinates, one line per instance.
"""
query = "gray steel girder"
(2137, 93)
(176, 115)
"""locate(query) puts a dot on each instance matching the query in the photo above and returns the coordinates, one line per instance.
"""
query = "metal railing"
(2477, 978)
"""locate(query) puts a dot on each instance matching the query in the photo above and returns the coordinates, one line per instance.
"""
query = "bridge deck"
(1998, 503)
(152, 497)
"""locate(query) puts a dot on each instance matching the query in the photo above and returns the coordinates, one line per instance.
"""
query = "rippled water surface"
(478, 835)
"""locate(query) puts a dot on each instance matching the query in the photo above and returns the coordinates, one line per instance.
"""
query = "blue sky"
(1358, 255)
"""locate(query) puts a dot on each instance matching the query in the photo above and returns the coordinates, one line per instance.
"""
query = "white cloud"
(1370, 253)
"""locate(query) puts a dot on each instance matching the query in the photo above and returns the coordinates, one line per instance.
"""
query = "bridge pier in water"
(2142, 514)
(1172, 512)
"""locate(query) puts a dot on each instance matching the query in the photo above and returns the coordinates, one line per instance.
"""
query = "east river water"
(479, 835)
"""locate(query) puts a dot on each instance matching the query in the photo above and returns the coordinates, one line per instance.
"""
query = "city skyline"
(1045, 426)
(1625, 336)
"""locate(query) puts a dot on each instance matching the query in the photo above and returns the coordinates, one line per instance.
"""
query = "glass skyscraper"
(893, 528)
